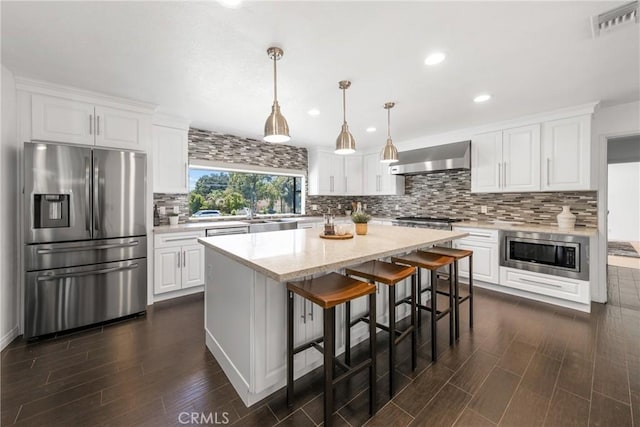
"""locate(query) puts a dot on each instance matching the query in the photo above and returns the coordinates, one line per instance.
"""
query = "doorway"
(623, 200)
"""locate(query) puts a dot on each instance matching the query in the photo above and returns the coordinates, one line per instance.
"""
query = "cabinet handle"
(479, 235)
(184, 258)
(379, 183)
(548, 167)
(310, 310)
(539, 283)
(504, 174)
(90, 124)
(304, 310)
(178, 259)
(97, 125)
(499, 176)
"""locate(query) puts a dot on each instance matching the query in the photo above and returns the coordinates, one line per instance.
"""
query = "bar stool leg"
(419, 296)
(392, 338)
(414, 332)
(289, 348)
(372, 354)
(452, 295)
(329, 329)
(471, 291)
(347, 333)
(456, 288)
(434, 315)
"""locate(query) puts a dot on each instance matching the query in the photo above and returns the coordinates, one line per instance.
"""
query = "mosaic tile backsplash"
(444, 194)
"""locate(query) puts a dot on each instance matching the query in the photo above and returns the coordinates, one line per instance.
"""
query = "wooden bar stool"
(328, 291)
(389, 274)
(458, 254)
(431, 262)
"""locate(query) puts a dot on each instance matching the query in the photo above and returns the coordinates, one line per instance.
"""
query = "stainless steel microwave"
(557, 254)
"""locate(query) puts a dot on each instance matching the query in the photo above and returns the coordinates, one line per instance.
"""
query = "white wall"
(9, 275)
(624, 201)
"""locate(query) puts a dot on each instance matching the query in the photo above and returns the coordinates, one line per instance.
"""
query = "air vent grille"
(625, 14)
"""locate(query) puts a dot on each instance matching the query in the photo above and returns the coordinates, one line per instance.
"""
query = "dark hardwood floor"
(524, 364)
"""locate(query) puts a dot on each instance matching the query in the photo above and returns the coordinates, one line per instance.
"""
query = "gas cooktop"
(427, 219)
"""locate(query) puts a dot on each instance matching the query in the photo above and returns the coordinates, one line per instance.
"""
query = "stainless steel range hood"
(433, 159)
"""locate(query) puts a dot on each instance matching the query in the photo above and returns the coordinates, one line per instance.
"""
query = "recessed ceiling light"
(435, 58)
(232, 4)
(313, 112)
(482, 98)
(371, 129)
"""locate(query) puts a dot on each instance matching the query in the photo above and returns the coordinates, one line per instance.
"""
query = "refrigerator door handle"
(87, 193)
(48, 277)
(84, 248)
(96, 194)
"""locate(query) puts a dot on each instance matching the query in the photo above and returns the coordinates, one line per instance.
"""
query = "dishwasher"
(223, 231)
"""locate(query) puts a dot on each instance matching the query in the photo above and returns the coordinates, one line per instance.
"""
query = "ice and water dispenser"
(51, 210)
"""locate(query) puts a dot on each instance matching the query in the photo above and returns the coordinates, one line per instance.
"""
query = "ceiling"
(208, 63)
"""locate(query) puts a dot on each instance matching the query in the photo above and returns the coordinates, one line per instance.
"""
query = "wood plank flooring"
(524, 364)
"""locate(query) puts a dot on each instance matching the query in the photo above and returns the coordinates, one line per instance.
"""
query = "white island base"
(245, 298)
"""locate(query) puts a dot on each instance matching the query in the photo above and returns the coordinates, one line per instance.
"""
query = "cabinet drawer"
(545, 284)
(478, 234)
(177, 239)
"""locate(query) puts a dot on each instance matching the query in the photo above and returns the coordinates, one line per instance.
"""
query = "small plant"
(360, 217)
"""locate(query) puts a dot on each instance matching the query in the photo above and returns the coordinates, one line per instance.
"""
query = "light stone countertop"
(291, 254)
(534, 228)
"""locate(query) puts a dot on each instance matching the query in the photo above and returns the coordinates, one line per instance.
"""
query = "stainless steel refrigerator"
(85, 236)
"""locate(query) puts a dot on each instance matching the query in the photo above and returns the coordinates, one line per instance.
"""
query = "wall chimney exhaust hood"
(433, 159)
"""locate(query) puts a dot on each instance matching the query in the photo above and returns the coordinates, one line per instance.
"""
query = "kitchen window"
(222, 190)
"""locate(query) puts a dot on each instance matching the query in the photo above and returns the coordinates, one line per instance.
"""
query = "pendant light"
(389, 152)
(345, 144)
(276, 128)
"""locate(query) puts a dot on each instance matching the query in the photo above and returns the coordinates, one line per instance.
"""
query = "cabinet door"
(192, 265)
(353, 174)
(167, 269)
(62, 120)
(121, 128)
(391, 185)
(486, 162)
(521, 159)
(338, 174)
(371, 176)
(170, 160)
(486, 260)
(566, 154)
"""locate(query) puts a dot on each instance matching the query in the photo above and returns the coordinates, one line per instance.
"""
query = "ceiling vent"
(615, 18)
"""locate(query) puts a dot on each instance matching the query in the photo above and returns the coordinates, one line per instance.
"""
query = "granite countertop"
(291, 254)
(534, 228)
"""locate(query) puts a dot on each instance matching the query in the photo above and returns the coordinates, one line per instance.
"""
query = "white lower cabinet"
(545, 284)
(178, 262)
(485, 246)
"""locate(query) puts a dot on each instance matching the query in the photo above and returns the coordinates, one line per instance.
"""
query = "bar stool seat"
(431, 262)
(388, 274)
(328, 291)
(458, 254)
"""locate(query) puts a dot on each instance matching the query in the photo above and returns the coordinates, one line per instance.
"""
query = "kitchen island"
(245, 296)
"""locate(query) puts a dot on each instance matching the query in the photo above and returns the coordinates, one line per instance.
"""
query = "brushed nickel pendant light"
(389, 152)
(345, 144)
(276, 128)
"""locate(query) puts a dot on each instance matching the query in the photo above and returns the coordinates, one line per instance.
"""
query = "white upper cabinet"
(486, 162)
(353, 175)
(566, 154)
(506, 161)
(326, 173)
(62, 120)
(377, 179)
(170, 160)
(55, 113)
(521, 159)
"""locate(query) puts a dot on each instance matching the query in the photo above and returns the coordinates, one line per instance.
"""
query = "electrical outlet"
(364, 206)
(176, 209)
(397, 207)
(314, 207)
(339, 206)
(483, 209)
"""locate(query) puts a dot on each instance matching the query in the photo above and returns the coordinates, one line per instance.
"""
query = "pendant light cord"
(389, 123)
(275, 76)
(344, 106)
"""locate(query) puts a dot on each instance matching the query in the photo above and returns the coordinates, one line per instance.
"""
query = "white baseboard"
(176, 294)
(9, 337)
